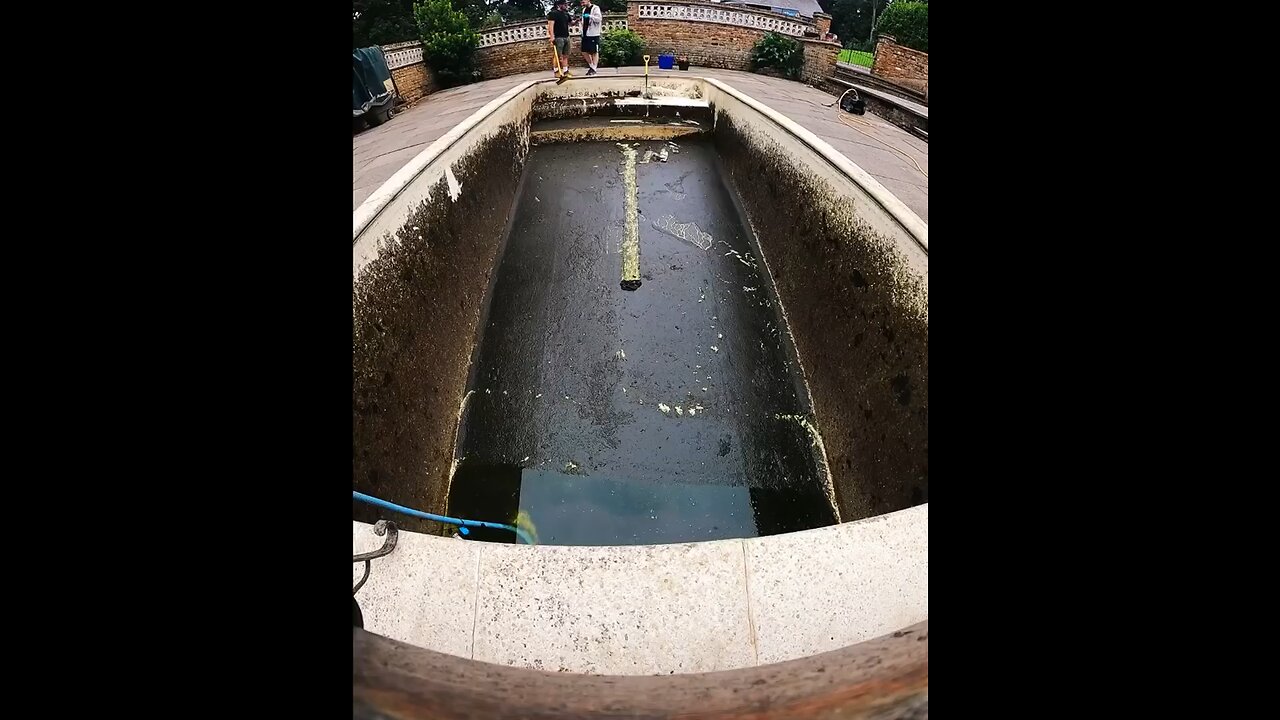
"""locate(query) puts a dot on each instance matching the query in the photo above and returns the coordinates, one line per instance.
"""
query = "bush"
(621, 47)
(448, 42)
(778, 52)
(908, 23)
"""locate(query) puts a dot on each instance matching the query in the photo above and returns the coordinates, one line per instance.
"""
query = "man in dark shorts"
(558, 34)
(592, 23)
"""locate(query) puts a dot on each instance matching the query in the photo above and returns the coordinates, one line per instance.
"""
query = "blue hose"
(439, 518)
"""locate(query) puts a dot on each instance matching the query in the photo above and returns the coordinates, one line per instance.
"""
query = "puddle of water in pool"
(567, 509)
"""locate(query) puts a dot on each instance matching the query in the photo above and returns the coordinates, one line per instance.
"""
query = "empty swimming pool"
(664, 412)
(623, 320)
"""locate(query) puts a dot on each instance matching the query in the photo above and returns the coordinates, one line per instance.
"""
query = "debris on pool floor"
(557, 320)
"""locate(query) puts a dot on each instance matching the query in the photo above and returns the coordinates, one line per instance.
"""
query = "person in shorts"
(592, 22)
(558, 34)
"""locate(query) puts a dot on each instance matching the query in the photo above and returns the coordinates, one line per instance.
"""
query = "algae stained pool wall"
(849, 260)
(850, 263)
(425, 245)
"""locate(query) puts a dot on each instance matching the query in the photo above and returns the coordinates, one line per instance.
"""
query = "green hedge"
(778, 52)
(908, 23)
(619, 48)
(448, 42)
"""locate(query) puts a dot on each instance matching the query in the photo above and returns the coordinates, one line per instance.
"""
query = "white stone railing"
(722, 16)
(537, 30)
(401, 54)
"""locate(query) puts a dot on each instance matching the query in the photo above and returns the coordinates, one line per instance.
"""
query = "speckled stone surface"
(615, 610)
(876, 145)
(823, 589)
(651, 609)
(423, 593)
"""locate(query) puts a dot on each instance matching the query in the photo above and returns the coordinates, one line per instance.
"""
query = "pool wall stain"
(858, 312)
(415, 312)
(855, 298)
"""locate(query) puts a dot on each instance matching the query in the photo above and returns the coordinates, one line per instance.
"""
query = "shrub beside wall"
(448, 42)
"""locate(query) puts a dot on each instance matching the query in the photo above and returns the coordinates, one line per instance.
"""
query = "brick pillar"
(822, 22)
(876, 62)
(633, 14)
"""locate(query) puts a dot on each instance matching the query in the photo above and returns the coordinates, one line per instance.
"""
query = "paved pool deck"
(894, 157)
(650, 609)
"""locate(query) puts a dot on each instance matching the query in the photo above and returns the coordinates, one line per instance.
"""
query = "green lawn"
(854, 57)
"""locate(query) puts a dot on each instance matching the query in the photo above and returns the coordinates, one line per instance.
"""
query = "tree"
(516, 10)
(908, 23)
(476, 11)
(381, 22)
(851, 20)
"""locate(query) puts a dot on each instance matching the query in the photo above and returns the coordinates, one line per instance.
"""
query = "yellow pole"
(630, 249)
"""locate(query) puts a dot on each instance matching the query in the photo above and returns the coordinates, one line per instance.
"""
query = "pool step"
(632, 106)
(605, 129)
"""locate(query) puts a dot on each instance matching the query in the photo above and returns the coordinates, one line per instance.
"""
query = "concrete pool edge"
(380, 199)
(651, 609)
(915, 227)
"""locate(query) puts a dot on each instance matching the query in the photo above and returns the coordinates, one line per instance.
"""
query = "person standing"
(558, 34)
(592, 22)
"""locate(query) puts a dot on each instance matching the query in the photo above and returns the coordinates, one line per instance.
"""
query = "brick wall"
(822, 22)
(706, 44)
(727, 47)
(819, 61)
(518, 57)
(414, 81)
(513, 58)
(902, 65)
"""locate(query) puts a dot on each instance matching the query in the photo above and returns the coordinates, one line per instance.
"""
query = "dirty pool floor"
(668, 413)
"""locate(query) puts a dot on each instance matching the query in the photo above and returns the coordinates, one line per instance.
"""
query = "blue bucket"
(666, 62)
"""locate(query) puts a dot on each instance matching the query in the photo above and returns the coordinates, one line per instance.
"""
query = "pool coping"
(391, 189)
(650, 609)
(918, 229)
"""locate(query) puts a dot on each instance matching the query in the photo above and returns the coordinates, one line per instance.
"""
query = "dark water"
(664, 414)
(565, 509)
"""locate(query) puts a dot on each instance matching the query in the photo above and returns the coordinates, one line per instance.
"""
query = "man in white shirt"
(592, 22)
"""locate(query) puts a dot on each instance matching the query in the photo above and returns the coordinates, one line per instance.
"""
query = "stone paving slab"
(615, 611)
(423, 593)
(811, 595)
(870, 142)
(651, 609)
